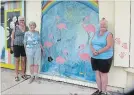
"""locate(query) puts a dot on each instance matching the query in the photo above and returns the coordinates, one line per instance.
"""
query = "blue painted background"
(68, 41)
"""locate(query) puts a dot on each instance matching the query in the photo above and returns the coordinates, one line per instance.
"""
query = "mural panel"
(66, 31)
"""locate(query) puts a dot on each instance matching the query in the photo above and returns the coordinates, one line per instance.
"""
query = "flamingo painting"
(60, 60)
(88, 28)
(61, 26)
(83, 56)
(49, 45)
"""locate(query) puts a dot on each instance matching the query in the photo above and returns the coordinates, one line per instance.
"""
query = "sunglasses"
(21, 20)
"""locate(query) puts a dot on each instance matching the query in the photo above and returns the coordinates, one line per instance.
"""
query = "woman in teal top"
(102, 49)
(33, 51)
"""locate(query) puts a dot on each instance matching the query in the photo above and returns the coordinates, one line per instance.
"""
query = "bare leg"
(98, 80)
(36, 69)
(104, 81)
(32, 74)
(23, 64)
(32, 69)
(17, 66)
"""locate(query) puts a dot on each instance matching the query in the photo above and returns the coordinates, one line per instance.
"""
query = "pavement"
(47, 87)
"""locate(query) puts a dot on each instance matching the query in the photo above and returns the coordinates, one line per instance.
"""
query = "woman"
(18, 47)
(102, 49)
(33, 50)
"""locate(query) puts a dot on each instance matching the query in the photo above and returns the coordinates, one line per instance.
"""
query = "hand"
(12, 48)
(95, 53)
(42, 52)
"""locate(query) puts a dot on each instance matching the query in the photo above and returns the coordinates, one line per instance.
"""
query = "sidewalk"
(47, 87)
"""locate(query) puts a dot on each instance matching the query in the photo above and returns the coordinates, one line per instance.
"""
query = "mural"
(66, 31)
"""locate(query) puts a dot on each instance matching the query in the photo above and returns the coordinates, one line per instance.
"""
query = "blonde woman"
(33, 50)
(102, 49)
(17, 46)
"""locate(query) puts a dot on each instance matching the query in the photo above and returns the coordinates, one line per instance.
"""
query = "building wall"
(33, 13)
(118, 77)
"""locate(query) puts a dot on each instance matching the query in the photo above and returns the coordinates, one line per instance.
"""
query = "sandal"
(37, 79)
(31, 79)
(17, 79)
(24, 77)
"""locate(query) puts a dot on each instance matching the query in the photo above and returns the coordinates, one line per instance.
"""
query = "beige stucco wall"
(118, 77)
(33, 12)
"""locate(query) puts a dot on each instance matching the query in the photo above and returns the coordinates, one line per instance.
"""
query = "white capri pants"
(33, 55)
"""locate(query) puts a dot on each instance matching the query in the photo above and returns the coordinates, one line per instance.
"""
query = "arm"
(25, 40)
(12, 39)
(41, 47)
(92, 49)
(109, 44)
(40, 41)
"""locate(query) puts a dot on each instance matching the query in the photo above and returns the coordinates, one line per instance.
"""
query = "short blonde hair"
(32, 23)
(103, 20)
(21, 18)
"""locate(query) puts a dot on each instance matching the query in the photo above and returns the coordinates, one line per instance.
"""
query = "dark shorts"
(102, 65)
(19, 51)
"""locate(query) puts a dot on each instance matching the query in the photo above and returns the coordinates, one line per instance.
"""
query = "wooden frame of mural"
(10, 15)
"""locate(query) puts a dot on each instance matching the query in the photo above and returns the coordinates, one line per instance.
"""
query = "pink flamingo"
(83, 56)
(61, 26)
(48, 45)
(88, 28)
(60, 60)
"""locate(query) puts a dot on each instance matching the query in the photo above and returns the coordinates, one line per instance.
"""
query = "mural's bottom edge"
(81, 83)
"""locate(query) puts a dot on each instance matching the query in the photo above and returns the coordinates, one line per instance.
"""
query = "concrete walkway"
(47, 87)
